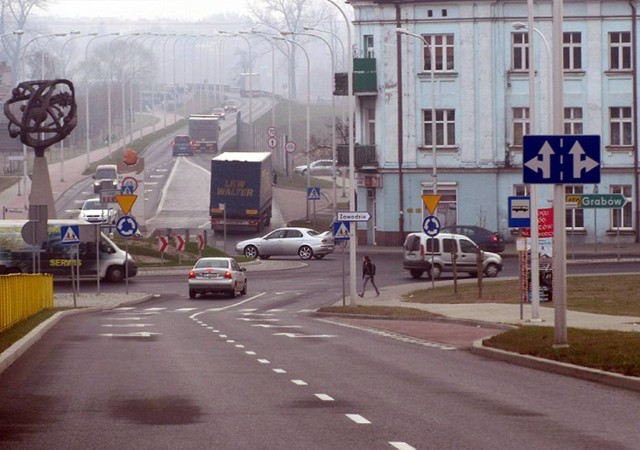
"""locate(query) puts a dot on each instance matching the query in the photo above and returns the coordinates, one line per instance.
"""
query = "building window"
(620, 126)
(621, 218)
(520, 190)
(368, 46)
(369, 115)
(442, 46)
(620, 50)
(521, 125)
(447, 211)
(573, 121)
(445, 123)
(574, 216)
(520, 51)
(572, 51)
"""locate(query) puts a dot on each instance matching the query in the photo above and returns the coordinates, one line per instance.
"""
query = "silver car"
(317, 168)
(95, 211)
(217, 275)
(304, 242)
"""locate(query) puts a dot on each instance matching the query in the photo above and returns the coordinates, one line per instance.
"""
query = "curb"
(570, 370)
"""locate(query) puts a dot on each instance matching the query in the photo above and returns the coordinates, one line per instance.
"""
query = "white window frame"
(622, 218)
(574, 216)
(519, 51)
(573, 120)
(445, 128)
(443, 48)
(521, 124)
(619, 50)
(572, 50)
(620, 126)
(368, 46)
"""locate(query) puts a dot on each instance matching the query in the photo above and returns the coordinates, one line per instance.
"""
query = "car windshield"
(212, 263)
(94, 204)
(182, 139)
(105, 174)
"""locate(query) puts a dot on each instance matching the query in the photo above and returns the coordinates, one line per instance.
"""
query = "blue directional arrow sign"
(561, 159)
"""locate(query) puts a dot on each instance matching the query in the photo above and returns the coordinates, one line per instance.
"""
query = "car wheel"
(491, 271)
(233, 293)
(416, 273)
(319, 256)
(303, 173)
(192, 293)
(244, 288)
(251, 251)
(305, 252)
(115, 274)
(435, 272)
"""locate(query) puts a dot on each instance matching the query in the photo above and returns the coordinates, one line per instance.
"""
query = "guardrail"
(22, 296)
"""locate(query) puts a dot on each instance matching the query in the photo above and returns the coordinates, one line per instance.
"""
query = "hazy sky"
(149, 9)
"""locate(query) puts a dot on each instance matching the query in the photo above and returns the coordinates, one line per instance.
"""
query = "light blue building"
(466, 64)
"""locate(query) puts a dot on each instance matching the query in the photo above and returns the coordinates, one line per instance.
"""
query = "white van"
(433, 255)
(16, 256)
(106, 176)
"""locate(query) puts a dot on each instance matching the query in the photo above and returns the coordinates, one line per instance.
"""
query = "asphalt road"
(261, 371)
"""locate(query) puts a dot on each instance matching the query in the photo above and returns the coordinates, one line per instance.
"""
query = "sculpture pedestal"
(41, 191)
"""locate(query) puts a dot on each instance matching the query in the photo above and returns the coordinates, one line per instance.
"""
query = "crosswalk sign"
(70, 234)
(341, 231)
(313, 193)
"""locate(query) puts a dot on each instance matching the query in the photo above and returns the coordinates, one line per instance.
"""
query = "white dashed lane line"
(357, 418)
(324, 397)
(401, 445)
(299, 382)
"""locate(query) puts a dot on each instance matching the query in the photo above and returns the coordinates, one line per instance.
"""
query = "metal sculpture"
(48, 113)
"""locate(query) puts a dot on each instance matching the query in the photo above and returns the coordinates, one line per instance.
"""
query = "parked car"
(433, 255)
(489, 241)
(219, 113)
(230, 105)
(217, 275)
(105, 177)
(317, 168)
(182, 145)
(95, 211)
(304, 242)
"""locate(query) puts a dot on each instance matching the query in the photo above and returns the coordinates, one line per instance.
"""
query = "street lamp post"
(352, 191)
(308, 110)
(250, 83)
(434, 173)
(86, 95)
(333, 126)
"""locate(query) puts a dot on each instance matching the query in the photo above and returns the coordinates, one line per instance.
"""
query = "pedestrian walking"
(368, 274)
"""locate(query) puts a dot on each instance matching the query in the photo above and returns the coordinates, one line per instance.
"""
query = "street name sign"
(561, 159)
(596, 200)
(354, 216)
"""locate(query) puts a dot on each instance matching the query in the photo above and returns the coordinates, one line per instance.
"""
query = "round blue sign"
(431, 226)
(126, 226)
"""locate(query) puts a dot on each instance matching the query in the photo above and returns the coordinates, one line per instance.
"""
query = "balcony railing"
(364, 155)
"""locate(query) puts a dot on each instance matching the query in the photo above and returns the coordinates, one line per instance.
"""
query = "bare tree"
(13, 16)
(289, 16)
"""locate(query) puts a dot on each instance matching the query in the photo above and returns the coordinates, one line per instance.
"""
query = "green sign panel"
(595, 200)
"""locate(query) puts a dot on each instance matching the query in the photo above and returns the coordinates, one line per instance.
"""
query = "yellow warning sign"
(431, 202)
(126, 202)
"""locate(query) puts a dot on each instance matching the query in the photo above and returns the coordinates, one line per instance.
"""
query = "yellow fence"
(22, 296)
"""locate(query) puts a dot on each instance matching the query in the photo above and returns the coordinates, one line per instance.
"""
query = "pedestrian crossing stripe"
(313, 194)
(70, 235)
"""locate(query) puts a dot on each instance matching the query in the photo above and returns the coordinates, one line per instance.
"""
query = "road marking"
(185, 309)
(249, 352)
(122, 318)
(223, 336)
(276, 310)
(357, 418)
(324, 397)
(294, 335)
(239, 346)
(266, 325)
(299, 382)
(126, 325)
(247, 319)
(193, 316)
(401, 446)
(154, 309)
(264, 361)
(143, 334)
(124, 308)
(230, 341)
(396, 336)
(256, 314)
(279, 371)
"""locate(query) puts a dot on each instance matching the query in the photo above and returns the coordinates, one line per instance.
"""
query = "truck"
(204, 132)
(241, 191)
(250, 84)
